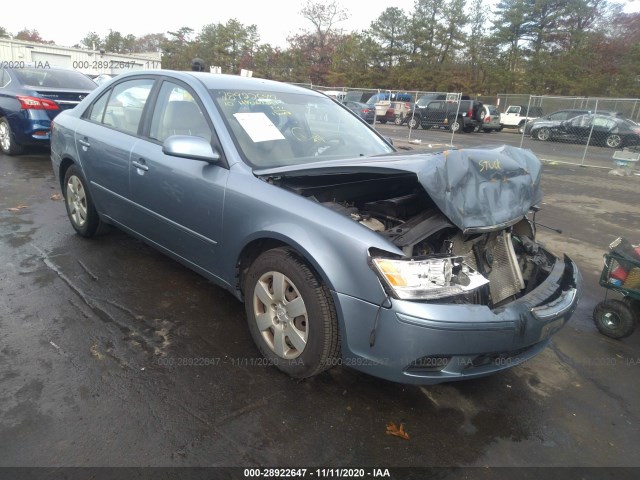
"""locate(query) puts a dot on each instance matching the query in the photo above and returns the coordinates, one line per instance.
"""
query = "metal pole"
(586, 147)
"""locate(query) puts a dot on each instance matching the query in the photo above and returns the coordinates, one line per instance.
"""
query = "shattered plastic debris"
(18, 208)
(416, 141)
(393, 429)
(56, 196)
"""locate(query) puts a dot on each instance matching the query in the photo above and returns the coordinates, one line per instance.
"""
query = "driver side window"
(177, 113)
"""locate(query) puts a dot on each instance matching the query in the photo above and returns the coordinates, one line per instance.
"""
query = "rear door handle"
(140, 165)
(84, 142)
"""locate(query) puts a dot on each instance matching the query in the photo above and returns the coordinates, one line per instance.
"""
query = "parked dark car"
(454, 115)
(561, 115)
(30, 98)
(418, 268)
(363, 110)
(608, 130)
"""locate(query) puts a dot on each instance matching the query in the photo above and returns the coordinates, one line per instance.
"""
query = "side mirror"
(194, 148)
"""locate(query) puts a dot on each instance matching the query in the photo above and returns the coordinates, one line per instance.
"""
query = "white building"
(92, 62)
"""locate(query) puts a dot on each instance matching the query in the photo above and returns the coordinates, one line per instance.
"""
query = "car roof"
(227, 82)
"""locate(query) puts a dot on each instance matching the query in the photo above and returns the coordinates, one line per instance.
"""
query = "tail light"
(487, 119)
(470, 113)
(366, 110)
(35, 103)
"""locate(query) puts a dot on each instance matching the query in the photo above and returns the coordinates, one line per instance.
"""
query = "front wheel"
(543, 134)
(80, 209)
(8, 144)
(291, 315)
(614, 318)
(521, 128)
(399, 120)
(614, 141)
(413, 123)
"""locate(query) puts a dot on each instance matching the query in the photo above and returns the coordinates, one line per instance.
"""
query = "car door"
(104, 141)
(602, 128)
(579, 128)
(178, 201)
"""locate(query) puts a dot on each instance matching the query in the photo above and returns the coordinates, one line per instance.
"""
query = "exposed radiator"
(505, 278)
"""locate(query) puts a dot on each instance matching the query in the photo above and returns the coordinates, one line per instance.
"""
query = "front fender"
(334, 245)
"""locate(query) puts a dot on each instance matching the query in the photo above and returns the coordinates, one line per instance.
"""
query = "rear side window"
(126, 104)
(97, 110)
(4, 78)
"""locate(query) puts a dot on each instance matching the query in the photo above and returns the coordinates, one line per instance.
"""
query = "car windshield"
(273, 129)
(48, 77)
(492, 110)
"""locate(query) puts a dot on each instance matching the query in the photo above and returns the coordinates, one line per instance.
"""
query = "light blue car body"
(212, 217)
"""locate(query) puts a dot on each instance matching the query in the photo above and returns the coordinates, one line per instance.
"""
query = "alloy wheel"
(281, 315)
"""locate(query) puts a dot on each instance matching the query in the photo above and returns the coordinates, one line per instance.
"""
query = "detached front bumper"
(427, 343)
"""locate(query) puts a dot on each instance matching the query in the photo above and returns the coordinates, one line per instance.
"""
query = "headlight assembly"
(428, 278)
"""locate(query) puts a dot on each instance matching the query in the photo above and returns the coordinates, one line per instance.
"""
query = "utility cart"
(621, 273)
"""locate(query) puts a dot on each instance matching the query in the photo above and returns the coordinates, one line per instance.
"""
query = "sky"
(70, 20)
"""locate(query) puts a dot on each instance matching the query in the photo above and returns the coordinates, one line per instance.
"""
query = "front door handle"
(84, 142)
(140, 165)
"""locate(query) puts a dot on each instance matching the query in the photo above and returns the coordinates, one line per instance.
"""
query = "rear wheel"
(399, 119)
(486, 130)
(291, 315)
(614, 141)
(614, 318)
(521, 127)
(80, 209)
(414, 123)
(455, 125)
(7, 142)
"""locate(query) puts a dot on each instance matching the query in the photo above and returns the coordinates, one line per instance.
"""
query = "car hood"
(483, 188)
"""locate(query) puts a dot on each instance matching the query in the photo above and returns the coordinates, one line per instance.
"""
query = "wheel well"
(257, 247)
(64, 166)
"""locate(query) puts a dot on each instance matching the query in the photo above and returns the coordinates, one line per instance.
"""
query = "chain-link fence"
(585, 131)
(578, 130)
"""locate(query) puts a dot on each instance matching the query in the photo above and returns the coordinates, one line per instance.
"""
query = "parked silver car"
(418, 268)
(489, 119)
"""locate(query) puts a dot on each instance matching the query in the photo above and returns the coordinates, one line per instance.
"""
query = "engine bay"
(398, 208)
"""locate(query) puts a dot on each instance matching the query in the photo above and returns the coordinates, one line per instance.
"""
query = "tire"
(521, 127)
(455, 125)
(614, 318)
(499, 129)
(543, 134)
(613, 141)
(399, 120)
(486, 130)
(414, 123)
(80, 209)
(8, 144)
(300, 346)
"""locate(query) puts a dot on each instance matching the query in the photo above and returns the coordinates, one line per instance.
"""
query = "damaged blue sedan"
(417, 268)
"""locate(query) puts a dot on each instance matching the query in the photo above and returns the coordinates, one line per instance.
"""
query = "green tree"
(229, 45)
(4, 33)
(92, 41)
(178, 50)
(390, 32)
(114, 42)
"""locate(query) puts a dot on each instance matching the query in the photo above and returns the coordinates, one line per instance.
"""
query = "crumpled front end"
(469, 290)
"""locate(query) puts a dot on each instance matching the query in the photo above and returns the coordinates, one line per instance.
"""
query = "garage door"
(53, 59)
